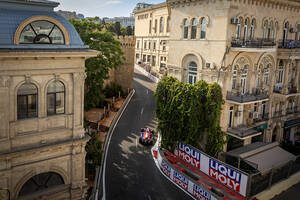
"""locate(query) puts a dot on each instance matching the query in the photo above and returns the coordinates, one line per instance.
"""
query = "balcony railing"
(288, 44)
(277, 89)
(247, 97)
(292, 90)
(247, 130)
(261, 118)
(253, 43)
(293, 110)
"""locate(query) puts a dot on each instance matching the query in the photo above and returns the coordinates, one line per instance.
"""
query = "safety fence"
(146, 73)
(186, 183)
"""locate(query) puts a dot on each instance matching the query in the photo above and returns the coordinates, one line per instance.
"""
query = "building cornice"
(154, 7)
(291, 5)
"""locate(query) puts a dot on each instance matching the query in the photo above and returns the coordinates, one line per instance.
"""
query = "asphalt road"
(130, 170)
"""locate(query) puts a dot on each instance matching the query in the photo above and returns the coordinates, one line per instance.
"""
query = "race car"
(146, 136)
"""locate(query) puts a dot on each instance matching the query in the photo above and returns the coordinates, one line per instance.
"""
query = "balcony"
(288, 44)
(238, 97)
(258, 44)
(246, 131)
(292, 90)
(261, 118)
(293, 110)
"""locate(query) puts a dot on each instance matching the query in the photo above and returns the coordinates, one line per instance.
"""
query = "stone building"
(251, 48)
(123, 75)
(42, 73)
(152, 31)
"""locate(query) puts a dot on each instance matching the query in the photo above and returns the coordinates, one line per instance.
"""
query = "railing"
(253, 43)
(288, 44)
(277, 89)
(292, 110)
(242, 98)
(292, 90)
(261, 118)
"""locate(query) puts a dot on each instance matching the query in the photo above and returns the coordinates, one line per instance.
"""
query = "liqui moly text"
(180, 180)
(189, 155)
(165, 168)
(226, 175)
(200, 193)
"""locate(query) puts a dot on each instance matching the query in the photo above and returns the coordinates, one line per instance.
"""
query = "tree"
(97, 68)
(189, 113)
(129, 30)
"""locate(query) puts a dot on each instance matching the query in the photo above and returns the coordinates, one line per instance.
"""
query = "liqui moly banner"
(180, 180)
(223, 173)
(165, 168)
(189, 155)
(200, 193)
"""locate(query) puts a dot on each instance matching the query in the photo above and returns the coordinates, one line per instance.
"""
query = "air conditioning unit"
(293, 30)
(210, 65)
(255, 115)
(235, 20)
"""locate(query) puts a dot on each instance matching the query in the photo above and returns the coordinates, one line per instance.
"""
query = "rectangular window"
(60, 103)
(138, 44)
(155, 26)
(154, 45)
(148, 58)
(255, 107)
(149, 45)
(150, 26)
(145, 45)
(22, 107)
(51, 104)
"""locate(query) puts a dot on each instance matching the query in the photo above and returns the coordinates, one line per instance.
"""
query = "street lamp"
(6, 189)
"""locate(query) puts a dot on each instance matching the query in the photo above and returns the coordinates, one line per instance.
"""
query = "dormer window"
(41, 32)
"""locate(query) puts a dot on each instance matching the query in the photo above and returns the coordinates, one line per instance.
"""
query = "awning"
(266, 156)
(292, 123)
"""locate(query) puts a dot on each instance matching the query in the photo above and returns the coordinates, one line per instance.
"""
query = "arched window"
(150, 26)
(244, 79)
(275, 31)
(252, 28)
(40, 183)
(185, 29)
(280, 72)
(265, 29)
(234, 78)
(168, 24)
(194, 29)
(269, 32)
(297, 32)
(246, 29)
(41, 32)
(192, 76)
(266, 75)
(27, 101)
(161, 25)
(56, 98)
(203, 28)
(285, 31)
(238, 28)
(258, 80)
(155, 26)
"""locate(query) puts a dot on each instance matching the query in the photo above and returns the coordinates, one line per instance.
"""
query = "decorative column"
(5, 82)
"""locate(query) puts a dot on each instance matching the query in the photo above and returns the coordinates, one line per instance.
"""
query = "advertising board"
(196, 190)
(223, 173)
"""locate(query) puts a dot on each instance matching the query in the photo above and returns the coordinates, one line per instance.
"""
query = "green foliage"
(117, 29)
(97, 68)
(94, 151)
(188, 112)
(113, 89)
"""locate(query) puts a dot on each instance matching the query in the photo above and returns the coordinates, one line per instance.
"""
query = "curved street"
(130, 170)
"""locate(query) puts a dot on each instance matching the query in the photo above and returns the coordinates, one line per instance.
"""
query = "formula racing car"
(146, 136)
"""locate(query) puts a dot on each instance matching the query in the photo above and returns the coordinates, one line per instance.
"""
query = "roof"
(33, 2)
(12, 16)
(263, 155)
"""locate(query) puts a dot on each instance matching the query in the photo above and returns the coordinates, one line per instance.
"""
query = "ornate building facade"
(251, 48)
(42, 73)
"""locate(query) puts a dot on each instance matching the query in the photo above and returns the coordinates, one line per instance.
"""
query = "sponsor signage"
(223, 173)
(189, 155)
(180, 180)
(165, 168)
(183, 182)
(200, 193)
